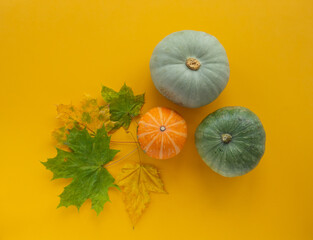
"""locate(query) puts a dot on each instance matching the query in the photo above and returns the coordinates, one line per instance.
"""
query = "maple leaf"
(60, 136)
(88, 115)
(84, 164)
(124, 105)
(137, 182)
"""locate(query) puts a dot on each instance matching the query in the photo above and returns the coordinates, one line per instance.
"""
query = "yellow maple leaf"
(137, 182)
(67, 113)
(89, 115)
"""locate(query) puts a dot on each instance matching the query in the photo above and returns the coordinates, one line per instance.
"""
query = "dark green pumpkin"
(231, 141)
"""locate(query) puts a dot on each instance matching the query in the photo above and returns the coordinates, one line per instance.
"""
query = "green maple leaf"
(84, 164)
(124, 105)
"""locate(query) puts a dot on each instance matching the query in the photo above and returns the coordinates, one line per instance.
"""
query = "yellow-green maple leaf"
(60, 135)
(137, 182)
(89, 115)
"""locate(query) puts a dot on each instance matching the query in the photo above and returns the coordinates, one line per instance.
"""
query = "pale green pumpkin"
(231, 141)
(190, 68)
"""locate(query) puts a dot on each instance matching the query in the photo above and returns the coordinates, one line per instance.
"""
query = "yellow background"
(54, 52)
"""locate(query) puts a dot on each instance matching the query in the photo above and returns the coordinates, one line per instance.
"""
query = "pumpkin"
(189, 68)
(231, 141)
(161, 133)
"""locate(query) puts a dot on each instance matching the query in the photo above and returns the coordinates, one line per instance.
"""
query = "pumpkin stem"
(193, 64)
(226, 138)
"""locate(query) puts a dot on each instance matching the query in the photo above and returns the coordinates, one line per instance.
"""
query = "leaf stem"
(85, 125)
(138, 147)
(122, 141)
(117, 161)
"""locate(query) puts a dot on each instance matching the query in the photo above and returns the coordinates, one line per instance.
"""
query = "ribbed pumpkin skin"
(245, 149)
(157, 143)
(182, 85)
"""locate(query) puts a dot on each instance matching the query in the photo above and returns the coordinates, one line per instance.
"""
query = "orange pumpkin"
(162, 133)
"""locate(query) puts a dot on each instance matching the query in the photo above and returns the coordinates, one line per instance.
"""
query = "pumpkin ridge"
(161, 116)
(207, 83)
(213, 82)
(151, 142)
(177, 149)
(169, 118)
(149, 124)
(153, 118)
(176, 123)
(161, 147)
(146, 133)
(178, 133)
